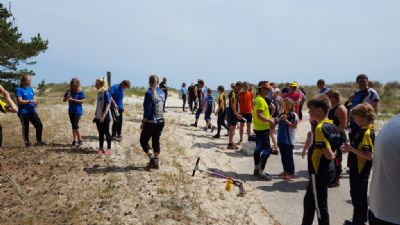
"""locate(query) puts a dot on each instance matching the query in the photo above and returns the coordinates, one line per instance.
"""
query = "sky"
(220, 41)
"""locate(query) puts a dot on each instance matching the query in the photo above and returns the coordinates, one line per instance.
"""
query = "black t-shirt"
(164, 85)
(191, 91)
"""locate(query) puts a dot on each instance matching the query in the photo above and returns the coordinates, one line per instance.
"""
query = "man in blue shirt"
(117, 92)
(321, 87)
(27, 102)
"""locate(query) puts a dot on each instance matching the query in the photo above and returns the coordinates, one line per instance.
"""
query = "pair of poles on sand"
(229, 180)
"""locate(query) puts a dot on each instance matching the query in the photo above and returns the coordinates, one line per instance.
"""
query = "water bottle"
(229, 183)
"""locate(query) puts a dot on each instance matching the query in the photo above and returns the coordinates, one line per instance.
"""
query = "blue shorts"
(207, 116)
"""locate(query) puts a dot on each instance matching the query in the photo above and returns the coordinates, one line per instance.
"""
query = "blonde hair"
(364, 110)
(24, 78)
(77, 81)
(103, 83)
(153, 83)
(288, 102)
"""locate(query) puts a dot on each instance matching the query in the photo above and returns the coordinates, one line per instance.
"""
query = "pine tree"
(14, 50)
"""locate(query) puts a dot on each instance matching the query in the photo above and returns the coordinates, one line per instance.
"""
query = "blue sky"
(218, 40)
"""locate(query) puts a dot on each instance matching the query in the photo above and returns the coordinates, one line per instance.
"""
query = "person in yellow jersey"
(321, 166)
(5, 107)
(360, 152)
(221, 113)
(262, 123)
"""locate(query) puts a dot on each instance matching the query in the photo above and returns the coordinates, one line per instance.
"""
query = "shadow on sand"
(113, 169)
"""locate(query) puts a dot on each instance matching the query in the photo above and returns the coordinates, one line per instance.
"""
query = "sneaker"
(334, 184)
(348, 222)
(100, 151)
(193, 124)
(205, 129)
(256, 172)
(80, 143)
(226, 135)
(28, 144)
(289, 176)
(156, 163)
(282, 174)
(73, 143)
(40, 143)
(232, 146)
(107, 152)
(151, 164)
(265, 176)
(216, 136)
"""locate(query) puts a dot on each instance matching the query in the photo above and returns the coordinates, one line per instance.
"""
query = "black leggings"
(359, 196)
(74, 118)
(36, 122)
(117, 125)
(317, 192)
(184, 101)
(192, 104)
(153, 131)
(104, 129)
(221, 121)
(263, 148)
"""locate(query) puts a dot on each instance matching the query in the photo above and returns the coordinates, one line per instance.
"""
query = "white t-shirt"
(385, 184)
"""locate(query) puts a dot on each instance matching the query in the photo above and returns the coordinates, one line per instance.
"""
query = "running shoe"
(40, 143)
(232, 146)
(265, 176)
(100, 151)
(216, 136)
(107, 152)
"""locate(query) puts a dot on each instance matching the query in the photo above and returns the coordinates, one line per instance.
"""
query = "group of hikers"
(273, 111)
(274, 115)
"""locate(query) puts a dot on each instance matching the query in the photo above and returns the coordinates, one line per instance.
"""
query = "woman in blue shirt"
(75, 98)
(153, 122)
(184, 95)
(27, 102)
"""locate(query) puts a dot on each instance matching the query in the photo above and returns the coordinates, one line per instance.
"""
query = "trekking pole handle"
(196, 167)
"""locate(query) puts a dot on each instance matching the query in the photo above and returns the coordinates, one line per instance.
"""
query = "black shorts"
(247, 116)
(232, 120)
(74, 118)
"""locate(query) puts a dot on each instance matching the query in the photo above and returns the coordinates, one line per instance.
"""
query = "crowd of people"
(268, 114)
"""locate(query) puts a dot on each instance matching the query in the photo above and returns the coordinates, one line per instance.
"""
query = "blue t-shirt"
(286, 134)
(209, 103)
(324, 90)
(183, 91)
(103, 98)
(75, 107)
(26, 93)
(117, 94)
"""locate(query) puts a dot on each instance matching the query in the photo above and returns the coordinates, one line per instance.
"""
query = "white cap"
(276, 90)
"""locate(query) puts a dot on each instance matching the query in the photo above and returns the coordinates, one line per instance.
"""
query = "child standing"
(360, 152)
(221, 113)
(209, 110)
(75, 98)
(320, 162)
(288, 120)
(102, 118)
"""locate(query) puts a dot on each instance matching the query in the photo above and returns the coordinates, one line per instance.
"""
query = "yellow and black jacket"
(317, 163)
(364, 141)
(3, 107)
(222, 102)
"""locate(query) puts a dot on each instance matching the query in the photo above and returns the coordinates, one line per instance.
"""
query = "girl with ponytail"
(153, 122)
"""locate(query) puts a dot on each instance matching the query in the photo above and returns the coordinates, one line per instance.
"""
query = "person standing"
(261, 124)
(221, 112)
(75, 98)
(245, 110)
(184, 95)
(321, 87)
(233, 114)
(5, 107)
(295, 95)
(209, 109)
(303, 100)
(361, 151)
(164, 88)
(338, 114)
(117, 92)
(364, 94)
(153, 122)
(102, 115)
(384, 195)
(192, 97)
(320, 162)
(202, 104)
(27, 102)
